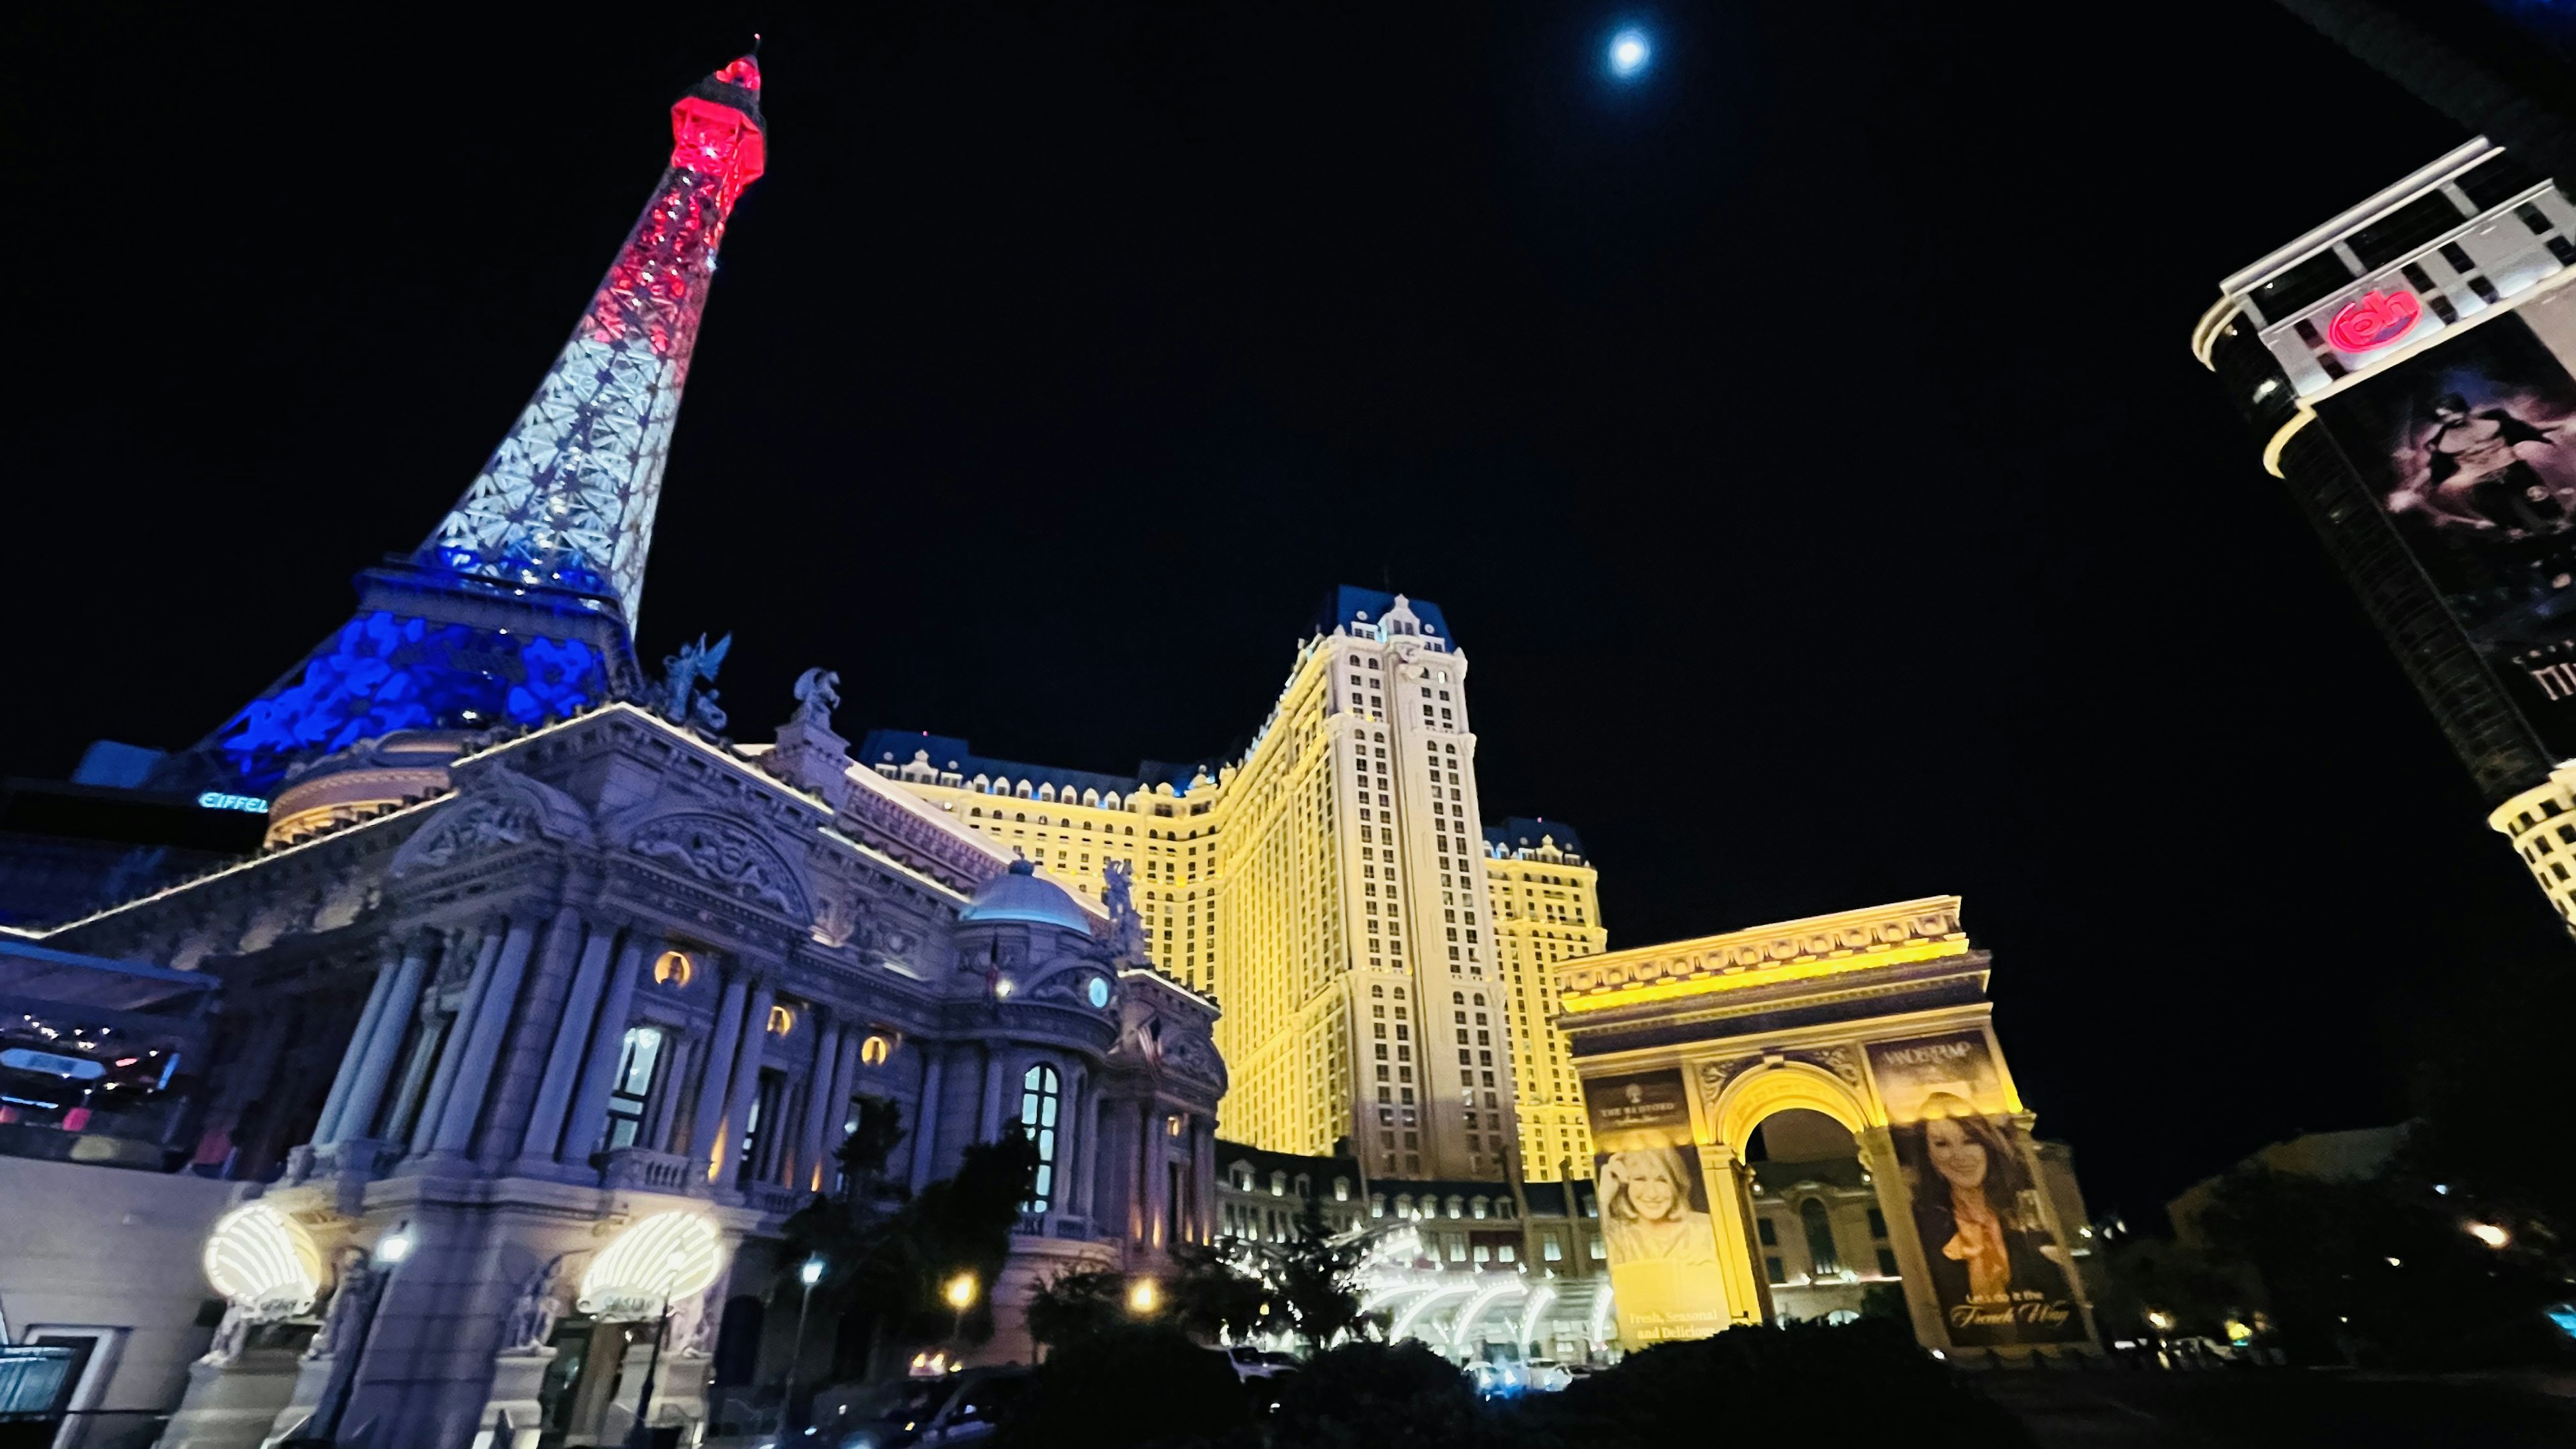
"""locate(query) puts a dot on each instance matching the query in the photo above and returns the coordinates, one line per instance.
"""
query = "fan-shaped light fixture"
(662, 1258)
(264, 1262)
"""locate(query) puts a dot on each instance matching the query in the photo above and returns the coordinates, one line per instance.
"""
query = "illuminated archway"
(1764, 1091)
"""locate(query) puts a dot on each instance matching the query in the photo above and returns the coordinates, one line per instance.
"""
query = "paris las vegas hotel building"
(1384, 957)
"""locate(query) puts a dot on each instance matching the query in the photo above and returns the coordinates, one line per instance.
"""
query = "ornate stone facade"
(620, 968)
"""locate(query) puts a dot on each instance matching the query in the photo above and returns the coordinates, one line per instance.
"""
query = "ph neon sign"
(2375, 321)
(218, 800)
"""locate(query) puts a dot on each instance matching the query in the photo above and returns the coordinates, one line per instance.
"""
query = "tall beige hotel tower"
(1380, 954)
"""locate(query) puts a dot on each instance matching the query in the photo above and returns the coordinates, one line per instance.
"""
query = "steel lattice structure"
(567, 499)
(521, 605)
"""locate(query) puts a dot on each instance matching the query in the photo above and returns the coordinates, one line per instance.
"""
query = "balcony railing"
(364, 1158)
(639, 1170)
(774, 1200)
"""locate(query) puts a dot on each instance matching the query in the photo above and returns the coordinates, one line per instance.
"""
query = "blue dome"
(1018, 895)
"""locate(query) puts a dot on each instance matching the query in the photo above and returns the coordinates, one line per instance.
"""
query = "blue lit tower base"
(519, 608)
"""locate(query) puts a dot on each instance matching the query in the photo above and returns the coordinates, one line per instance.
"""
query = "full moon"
(1629, 53)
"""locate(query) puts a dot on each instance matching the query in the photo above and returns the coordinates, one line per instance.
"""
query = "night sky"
(1803, 442)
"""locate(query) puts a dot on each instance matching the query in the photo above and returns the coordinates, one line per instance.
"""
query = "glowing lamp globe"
(1629, 53)
(264, 1262)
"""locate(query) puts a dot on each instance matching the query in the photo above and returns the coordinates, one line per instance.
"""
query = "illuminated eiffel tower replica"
(521, 605)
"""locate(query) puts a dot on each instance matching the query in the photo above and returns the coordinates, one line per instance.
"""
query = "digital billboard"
(2469, 447)
(1654, 1209)
(1998, 1275)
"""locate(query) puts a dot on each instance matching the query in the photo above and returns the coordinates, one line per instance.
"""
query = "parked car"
(1546, 1375)
(950, 1409)
(1259, 1363)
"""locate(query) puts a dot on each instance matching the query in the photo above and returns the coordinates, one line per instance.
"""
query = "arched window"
(1457, 998)
(1821, 1257)
(977, 812)
(1040, 1093)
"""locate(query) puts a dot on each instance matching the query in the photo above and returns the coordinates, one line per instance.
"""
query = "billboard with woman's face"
(1654, 1209)
(1998, 1274)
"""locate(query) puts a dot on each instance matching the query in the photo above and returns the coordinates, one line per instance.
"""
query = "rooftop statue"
(683, 701)
(1126, 928)
(818, 693)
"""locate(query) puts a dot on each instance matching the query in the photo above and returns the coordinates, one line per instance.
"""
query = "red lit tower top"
(567, 499)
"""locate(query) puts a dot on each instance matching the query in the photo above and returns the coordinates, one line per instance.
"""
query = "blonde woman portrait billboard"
(1654, 1209)
(1997, 1273)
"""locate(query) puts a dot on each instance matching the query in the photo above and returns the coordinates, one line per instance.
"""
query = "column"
(807, 1169)
(715, 1072)
(1149, 1153)
(925, 1117)
(845, 1085)
(480, 1047)
(326, 1129)
(988, 1115)
(358, 1113)
(1203, 1182)
(599, 1064)
(748, 1055)
(572, 1034)
(662, 1128)
(442, 1082)
(1073, 1145)
(2027, 1143)
(1887, 1177)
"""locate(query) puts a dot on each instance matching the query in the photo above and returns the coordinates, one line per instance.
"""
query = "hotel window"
(1772, 1271)
(1040, 1093)
(1819, 1233)
(639, 1059)
(764, 1110)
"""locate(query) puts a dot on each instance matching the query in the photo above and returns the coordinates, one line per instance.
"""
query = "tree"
(887, 1259)
(1132, 1386)
(2499, 1050)
(1767, 1385)
(1375, 1394)
(2378, 1271)
(1075, 1305)
(1213, 1298)
(1313, 1280)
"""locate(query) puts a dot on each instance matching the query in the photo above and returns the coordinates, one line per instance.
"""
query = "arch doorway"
(1820, 1234)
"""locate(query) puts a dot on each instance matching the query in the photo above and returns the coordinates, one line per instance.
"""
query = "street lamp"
(2489, 1234)
(1143, 1298)
(960, 1294)
(809, 1273)
(641, 1436)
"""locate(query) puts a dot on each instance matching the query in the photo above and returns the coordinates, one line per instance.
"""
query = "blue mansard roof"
(1347, 602)
(1518, 833)
(950, 753)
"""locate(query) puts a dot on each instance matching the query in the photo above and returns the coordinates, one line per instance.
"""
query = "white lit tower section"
(1433, 1091)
